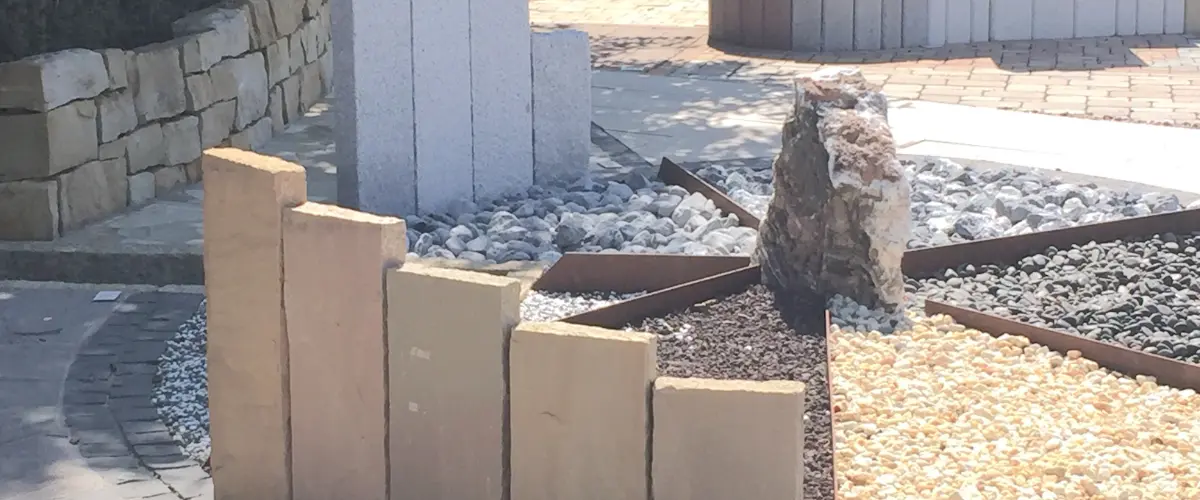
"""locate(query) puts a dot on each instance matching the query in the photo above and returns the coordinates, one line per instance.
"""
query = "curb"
(108, 408)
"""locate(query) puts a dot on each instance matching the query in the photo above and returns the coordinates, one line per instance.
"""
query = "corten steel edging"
(829, 391)
(1008, 250)
(670, 173)
(578, 272)
(1112, 356)
(668, 300)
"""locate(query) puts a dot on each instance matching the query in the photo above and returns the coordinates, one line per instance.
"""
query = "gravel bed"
(941, 411)
(749, 336)
(1142, 293)
(638, 215)
(952, 203)
(181, 394)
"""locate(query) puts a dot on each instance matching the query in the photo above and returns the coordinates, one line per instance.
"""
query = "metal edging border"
(578, 272)
(671, 173)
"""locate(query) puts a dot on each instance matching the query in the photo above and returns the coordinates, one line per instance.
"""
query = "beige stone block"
(254, 136)
(141, 188)
(262, 26)
(216, 33)
(91, 192)
(580, 411)
(279, 61)
(167, 178)
(115, 149)
(448, 391)
(47, 81)
(288, 15)
(338, 348)
(146, 148)
(310, 86)
(275, 110)
(182, 140)
(292, 109)
(246, 78)
(224, 81)
(160, 87)
(722, 439)
(117, 62)
(200, 92)
(28, 210)
(244, 198)
(116, 113)
(40, 145)
(216, 123)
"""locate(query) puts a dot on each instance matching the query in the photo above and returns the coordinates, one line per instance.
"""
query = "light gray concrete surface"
(562, 105)
(502, 98)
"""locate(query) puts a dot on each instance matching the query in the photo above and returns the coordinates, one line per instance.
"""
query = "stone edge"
(108, 408)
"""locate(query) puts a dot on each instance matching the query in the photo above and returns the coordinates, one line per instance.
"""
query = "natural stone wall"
(86, 133)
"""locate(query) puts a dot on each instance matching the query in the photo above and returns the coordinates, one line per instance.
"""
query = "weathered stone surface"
(262, 27)
(216, 123)
(194, 170)
(279, 61)
(224, 80)
(200, 92)
(838, 222)
(141, 188)
(47, 81)
(325, 65)
(562, 106)
(291, 98)
(160, 87)
(296, 51)
(146, 148)
(288, 14)
(310, 86)
(218, 33)
(248, 75)
(41, 145)
(115, 149)
(275, 109)
(168, 178)
(92, 191)
(116, 113)
(252, 137)
(182, 140)
(117, 61)
(29, 210)
(310, 41)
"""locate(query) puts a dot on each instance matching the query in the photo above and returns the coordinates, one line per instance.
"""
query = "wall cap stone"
(47, 81)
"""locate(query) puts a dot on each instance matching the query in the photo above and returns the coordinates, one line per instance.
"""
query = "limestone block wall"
(381, 379)
(844, 25)
(85, 133)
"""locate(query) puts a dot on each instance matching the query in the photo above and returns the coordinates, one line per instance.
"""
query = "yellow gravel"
(945, 412)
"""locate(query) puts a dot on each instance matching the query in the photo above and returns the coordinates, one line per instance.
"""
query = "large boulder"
(838, 222)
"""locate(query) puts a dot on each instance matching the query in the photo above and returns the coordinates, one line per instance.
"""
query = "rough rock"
(141, 188)
(146, 148)
(838, 221)
(47, 81)
(160, 87)
(29, 210)
(216, 123)
(254, 136)
(92, 191)
(182, 140)
(117, 61)
(43, 144)
(247, 77)
(217, 33)
(116, 114)
(200, 92)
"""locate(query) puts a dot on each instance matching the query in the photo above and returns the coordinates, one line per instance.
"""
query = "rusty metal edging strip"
(670, 173)
(578, 272)
(829, 392)
(1008, 250)
(668, 300)
(1112, 356)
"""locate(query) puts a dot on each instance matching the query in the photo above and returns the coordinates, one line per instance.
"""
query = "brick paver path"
(1143, 78)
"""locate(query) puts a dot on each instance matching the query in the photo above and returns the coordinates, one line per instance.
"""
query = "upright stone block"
(937, 22)
(1150, 17)
(337, 344)
(916, 23)
(838, 20)
(29, 210)
(502, 98)
(1127, 17)
(562, 106)
(580, 411)
(1054, 19)
(372, 53)
(1173, 17)
(981, 20)
(442, 103)
(1095, 18)
(1191, 17)
(244, 198)
(723, 439)
(806, 25)
(893, 24)
(1012, 20)
(448, 341)
(868, 24)
(958, 21)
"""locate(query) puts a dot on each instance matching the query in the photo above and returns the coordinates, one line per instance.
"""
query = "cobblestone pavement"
(1140, 78)
(106, 400)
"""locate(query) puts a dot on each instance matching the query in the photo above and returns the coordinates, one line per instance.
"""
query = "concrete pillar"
(838, 20)
(937, 22)
(562, 106)
(448, 333)
(334, 264)
(1012, 20)
(244, 197)
(1150, 17)
(1191, 17)
(1095, 18)
(1055, 19)
(1127, 17)
(916, 23)
(442, 103)
(868, 24)
(806, 25)
(981, 20)
(958, 21)
(580, 412)
(502, 98)
(372, 59)
(1173, 17)
(893, 24)
(723, 439)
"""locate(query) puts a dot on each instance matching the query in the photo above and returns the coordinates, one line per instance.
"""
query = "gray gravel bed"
(638, 215)
(952, 203)
(181, 394)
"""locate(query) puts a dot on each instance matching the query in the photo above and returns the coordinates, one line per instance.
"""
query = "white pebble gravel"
(182, 392)
(942, 411)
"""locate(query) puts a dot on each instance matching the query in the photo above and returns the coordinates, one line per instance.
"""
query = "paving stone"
(188, 482)
(104, 449)
(148, 438)
(47, 81)
(143, 489)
